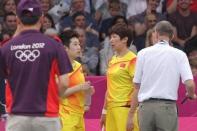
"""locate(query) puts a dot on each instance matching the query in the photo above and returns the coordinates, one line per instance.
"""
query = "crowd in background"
(92, 19)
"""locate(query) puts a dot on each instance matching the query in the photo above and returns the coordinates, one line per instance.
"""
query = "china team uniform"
(72, 108)
(120, 75)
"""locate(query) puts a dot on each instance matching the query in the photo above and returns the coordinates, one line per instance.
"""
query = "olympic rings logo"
(27, 55)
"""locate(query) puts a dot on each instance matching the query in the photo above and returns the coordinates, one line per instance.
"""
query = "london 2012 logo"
(27, 52)
(27, 55)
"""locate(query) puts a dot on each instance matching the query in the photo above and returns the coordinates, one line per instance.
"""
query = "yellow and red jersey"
(74, 102)
(120, 75)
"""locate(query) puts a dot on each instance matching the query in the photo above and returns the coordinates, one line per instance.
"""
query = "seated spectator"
(193, 5)
(6, 6)
(10, 24)
(138, 6)
(140, 33)
(79, 21)
(47, 23)
(77, 6)
(184, 22)
(46, 5)
(151, 8)
(150, 20)
(89, 55)
(110, 8)
(113, 10)
(9, 6)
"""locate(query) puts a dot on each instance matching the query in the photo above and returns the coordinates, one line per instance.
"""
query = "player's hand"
(86, 108)
(130, 125)
(87, 88)
(130, 122)
(91, 91)
(102, 120)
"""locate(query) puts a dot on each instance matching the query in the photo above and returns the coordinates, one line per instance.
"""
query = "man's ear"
(18, 21)
(172, 37)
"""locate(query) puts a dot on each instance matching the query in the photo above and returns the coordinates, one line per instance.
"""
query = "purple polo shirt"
(30, 63)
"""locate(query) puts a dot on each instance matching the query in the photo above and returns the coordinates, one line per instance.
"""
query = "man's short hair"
(67, 35)
(122, 31)
(8, 14)
(29, 11)
(75, 15)
(164, 28)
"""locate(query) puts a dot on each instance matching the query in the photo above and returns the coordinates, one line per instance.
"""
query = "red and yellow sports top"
(74, 102)
(120, 75)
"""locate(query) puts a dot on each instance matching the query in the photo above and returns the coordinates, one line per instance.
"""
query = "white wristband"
(104, 111)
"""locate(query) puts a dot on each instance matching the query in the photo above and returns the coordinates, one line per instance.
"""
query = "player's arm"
(62, 84)
(86, 87)
(133, 107)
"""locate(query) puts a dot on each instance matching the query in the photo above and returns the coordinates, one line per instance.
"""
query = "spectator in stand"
(173, 4)
(150, 20)
(10, 23)
(89, 55)
(110, 8)
(6, 6)
(140, 35)
(46, 5)
(79, 21)
(184, 22)
(113, 9)
(138, 6)
(151, 8)
(77, 6)
(138, 21)
(9, 6)
(47, 23)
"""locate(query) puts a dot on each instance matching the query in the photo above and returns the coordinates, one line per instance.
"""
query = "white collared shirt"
(158, 71)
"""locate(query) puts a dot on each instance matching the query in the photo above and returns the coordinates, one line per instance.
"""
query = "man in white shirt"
(158, 72)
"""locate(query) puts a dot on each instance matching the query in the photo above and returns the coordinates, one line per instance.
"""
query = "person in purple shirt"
(31, 62)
